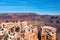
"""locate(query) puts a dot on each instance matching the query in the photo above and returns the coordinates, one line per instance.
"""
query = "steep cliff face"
(50, 20)
(18, 31)
(34, 19)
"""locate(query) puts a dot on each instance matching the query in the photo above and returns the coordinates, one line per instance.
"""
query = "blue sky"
(50, 7)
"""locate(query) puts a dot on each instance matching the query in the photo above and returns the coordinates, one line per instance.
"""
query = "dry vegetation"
(37, 20)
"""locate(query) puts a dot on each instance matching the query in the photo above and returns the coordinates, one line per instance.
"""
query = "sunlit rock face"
(48, 33)
(25, 30)
(18, 31)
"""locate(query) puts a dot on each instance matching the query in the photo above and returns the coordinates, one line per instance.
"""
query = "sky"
(43, 7)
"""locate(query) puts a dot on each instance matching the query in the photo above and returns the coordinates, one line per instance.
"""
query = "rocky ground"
(35, 19)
